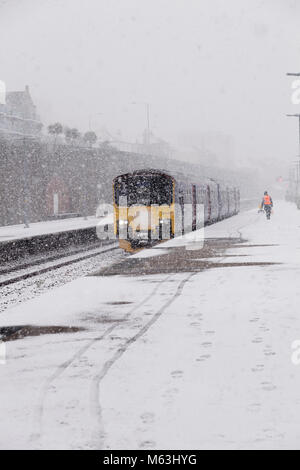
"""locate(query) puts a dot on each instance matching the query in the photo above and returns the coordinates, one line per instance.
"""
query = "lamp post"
(147, 105)
(296, 116)
(298, 161)
(296, 74)
(91, 116)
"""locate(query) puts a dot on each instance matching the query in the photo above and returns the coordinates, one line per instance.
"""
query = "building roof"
(18, 115)
(19, 98)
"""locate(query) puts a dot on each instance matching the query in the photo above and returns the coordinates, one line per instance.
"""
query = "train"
(152, 205)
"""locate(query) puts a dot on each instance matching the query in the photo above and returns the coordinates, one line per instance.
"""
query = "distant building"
(156, 149)
(151, 145)
(18, 115)
(208, 148)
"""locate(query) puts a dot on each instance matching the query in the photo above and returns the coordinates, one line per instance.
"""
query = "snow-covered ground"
(17, 232)
(27, 289)
(189, 360)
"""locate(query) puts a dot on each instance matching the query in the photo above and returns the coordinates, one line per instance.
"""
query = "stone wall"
(42, 180)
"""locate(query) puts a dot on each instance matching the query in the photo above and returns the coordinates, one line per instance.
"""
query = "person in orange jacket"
(267, 204)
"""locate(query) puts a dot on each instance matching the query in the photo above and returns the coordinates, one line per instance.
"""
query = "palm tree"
(90, 138)
(55, 129)
(75, 134)
(71, 135)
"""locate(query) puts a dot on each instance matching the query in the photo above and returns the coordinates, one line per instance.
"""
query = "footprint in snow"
(177, 374)
(203, 358)
(147, 445)
(147, 417)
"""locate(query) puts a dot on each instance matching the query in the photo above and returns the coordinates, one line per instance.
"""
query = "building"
(18, 115)
(151, 145)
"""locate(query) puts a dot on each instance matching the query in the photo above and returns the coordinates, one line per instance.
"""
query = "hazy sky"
(203, 65)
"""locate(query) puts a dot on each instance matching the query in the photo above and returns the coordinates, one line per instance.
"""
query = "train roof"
(145, 171)
(179, 177)
(159, 171)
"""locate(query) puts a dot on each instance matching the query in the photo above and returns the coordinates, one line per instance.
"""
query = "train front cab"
(147, 205)
(143, 209)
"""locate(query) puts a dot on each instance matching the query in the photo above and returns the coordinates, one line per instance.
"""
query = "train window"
(162, 191)
(139, 190)
(145, 190)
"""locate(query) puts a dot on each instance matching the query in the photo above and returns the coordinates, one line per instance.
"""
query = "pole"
(91, 116)
(298, 169)
(298, 162)
(25, 195)
(299, 136)
(148, 122)
(147, 130)
(148, 118)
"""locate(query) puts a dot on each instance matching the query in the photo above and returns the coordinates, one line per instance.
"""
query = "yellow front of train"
(144, 204)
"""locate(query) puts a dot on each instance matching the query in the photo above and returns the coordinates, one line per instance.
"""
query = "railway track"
(51, 263)
(26, 270)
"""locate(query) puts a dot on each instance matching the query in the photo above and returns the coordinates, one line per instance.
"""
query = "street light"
(293, 74)
(298, 161)
(296, 116)
(147, 118)
(90, 119)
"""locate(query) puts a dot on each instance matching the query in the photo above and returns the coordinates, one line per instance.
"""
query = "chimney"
(27, 89)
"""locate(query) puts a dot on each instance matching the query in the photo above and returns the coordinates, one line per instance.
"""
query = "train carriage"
(152, 205)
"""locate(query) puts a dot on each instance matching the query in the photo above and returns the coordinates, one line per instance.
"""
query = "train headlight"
(123, 222)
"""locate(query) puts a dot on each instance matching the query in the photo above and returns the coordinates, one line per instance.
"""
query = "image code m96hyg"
(149, 228)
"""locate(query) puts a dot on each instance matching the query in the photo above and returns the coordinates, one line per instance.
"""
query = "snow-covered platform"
(37, 229)
(194, 354)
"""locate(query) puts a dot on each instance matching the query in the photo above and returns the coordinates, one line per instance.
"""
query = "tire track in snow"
(39, 413)
(95, 391)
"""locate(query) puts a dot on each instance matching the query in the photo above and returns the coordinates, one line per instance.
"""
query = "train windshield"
(144, 190)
